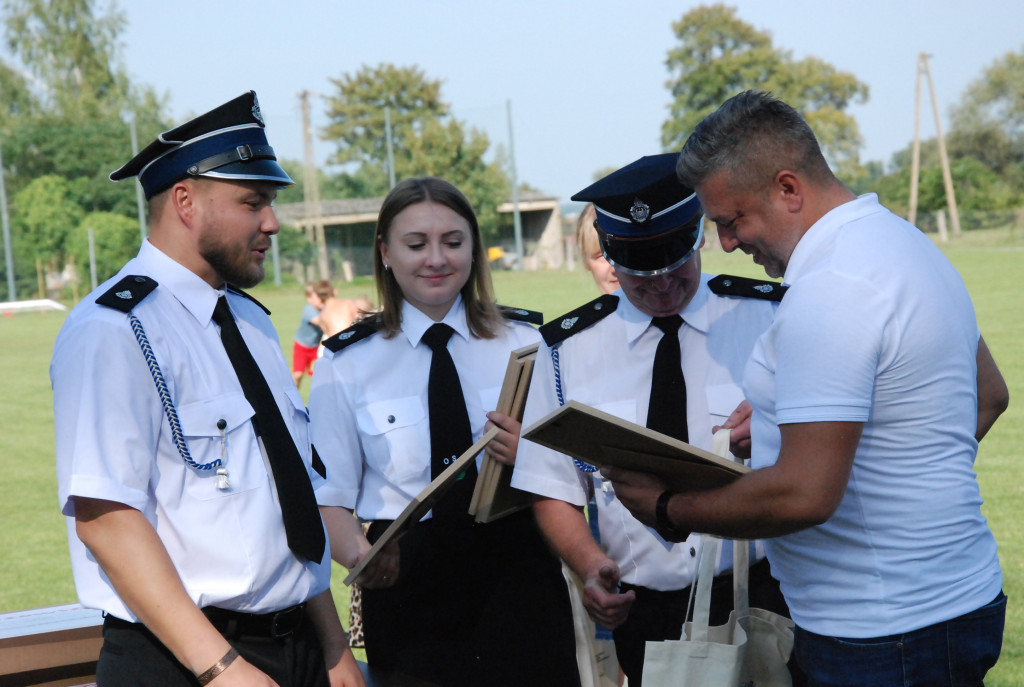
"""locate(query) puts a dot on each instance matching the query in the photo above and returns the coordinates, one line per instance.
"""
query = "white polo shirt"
(877, 327)
(114, 441)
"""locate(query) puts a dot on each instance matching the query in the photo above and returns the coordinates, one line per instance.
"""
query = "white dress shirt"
(368, 404)
(114, 441)
(609, 366)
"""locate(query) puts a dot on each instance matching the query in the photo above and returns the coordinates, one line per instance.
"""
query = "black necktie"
(666, 412)
(302, 523)
(450, 431)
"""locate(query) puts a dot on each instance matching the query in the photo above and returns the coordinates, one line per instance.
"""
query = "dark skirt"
(474, 605)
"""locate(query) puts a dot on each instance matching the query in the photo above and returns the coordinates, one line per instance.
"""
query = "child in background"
(308, 335)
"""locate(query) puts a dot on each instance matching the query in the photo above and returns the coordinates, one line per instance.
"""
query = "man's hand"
(638, 492)
(601, 596)
(739, 424)
(503, 447)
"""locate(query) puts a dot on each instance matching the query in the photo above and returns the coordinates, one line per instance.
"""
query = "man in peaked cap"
(612, 354)
(195, 532)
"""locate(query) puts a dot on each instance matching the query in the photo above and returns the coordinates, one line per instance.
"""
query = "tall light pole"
(517, 221)
(8, 254)
(140, 201)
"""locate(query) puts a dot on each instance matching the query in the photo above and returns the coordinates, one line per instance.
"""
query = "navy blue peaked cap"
(648, 223)
(228, 142)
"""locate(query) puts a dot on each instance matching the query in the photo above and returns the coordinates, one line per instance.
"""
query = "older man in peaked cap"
(183, 459)
(666, 350)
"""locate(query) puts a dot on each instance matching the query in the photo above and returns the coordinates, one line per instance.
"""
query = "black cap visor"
(650, 256)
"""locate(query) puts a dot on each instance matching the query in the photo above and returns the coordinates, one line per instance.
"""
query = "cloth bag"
(595, 658)
(750, 650)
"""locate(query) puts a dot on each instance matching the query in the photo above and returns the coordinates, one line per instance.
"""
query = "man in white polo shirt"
(870, 392)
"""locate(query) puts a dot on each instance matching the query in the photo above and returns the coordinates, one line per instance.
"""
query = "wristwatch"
(661, 519)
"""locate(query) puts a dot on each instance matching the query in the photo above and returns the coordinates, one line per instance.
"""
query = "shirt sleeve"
(335, 435)
(107, 415)
(828, 337)
(538, 469)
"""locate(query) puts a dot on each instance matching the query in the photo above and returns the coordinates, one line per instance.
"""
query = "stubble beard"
(232, 263)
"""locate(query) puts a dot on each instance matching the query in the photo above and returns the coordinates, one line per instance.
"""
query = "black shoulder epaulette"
(742, 287)
(127, 293)
(520, 315)
(357, 332)
(243, 294)
(558, 330)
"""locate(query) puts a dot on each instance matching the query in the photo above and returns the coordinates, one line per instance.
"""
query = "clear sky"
(586, 80)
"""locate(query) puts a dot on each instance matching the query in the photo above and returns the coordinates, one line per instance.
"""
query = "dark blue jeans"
(954, 653)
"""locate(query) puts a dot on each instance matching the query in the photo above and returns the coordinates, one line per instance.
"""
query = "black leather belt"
(275, 625)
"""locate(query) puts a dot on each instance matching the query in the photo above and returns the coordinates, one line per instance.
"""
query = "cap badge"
(640, 211)
(568, 322)
(256, 110)
(124, 295)
(764, 288)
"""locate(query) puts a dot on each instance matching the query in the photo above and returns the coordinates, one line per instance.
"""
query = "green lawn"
(34, 565)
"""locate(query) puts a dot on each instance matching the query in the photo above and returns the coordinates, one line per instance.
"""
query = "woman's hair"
(482, 314)
(585, 229)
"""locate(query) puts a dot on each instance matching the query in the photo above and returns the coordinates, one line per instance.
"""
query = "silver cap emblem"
(640, 211)
(256, 111)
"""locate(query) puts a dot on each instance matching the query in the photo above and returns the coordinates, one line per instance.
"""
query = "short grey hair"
(751, 137)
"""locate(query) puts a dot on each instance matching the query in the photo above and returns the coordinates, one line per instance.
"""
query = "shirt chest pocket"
(395, 435)
(221, 428)
(722, 400)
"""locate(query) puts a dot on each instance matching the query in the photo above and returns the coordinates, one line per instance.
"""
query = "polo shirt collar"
(823, 232)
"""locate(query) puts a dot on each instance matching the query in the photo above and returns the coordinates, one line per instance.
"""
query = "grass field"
(34, 565)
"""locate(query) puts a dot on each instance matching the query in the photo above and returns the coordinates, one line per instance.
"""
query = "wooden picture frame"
(494, 497)
(600, 439)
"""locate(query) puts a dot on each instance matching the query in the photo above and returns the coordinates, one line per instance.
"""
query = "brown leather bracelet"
(217, 668)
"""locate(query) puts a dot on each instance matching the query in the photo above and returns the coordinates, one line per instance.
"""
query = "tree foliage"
(985, 147)
(357, 113)
(69, 49)
(426, 139)
(115, 241)
(65, 106)
(719, 55)
(43, 214)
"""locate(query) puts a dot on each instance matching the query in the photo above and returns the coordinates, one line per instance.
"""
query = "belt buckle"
(286, 622)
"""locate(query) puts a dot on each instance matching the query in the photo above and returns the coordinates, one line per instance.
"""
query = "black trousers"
(658, 615)
(133, 657)
(474, 606)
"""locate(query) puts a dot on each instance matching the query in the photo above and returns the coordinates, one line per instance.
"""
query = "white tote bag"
(750, 650)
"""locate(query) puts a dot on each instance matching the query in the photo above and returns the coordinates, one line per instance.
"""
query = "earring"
(386, 267)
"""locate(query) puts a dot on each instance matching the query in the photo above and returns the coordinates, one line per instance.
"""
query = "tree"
(72, 98)
(720, 55)
(357, 114)
(426, 139)
(115, 241)
(43, 214)
(68, 48)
